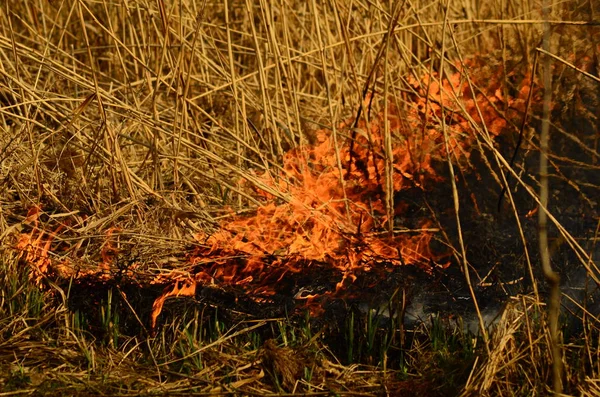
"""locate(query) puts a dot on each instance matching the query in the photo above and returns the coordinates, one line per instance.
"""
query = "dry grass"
(134, 125)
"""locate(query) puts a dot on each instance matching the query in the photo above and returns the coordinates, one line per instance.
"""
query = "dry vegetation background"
(141, 123)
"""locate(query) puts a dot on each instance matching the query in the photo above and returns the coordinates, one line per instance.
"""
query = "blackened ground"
(392, 298)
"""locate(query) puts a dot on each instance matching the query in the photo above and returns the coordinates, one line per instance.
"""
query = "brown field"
(299, 198)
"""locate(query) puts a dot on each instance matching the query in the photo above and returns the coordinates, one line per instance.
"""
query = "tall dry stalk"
(551, 276)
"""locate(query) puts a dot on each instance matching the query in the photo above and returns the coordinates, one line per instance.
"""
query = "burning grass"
(184, 213)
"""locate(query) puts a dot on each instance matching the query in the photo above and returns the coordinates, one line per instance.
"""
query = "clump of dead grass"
(520, 361)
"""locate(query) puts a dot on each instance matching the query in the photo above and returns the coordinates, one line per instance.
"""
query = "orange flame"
(339, 221)
(334, 218)
(180, 288)
(35, 248)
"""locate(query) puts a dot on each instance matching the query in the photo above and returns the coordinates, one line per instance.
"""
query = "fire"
(181, 288)
(35, 248)
(331, 218)
(341, 222)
